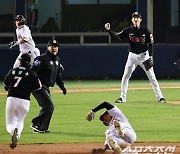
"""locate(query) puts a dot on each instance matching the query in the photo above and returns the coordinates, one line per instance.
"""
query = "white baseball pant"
(132, 62)
(33, 54)
(16, 111)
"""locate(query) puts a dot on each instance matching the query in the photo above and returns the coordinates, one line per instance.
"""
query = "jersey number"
(18, 80)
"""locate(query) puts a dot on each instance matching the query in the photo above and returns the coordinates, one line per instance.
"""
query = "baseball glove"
(148, 63)
(90, 116)
(12, 44)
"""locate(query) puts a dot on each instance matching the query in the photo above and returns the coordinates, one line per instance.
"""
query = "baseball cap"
(136, 14)
(25, 58)
(102, 115)
(53, 42)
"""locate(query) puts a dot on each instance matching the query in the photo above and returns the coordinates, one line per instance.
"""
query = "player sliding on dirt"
(120, 133)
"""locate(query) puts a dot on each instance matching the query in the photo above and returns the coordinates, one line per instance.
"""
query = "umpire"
(48, 68)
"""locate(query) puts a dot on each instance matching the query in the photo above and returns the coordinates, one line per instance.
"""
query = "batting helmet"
(25, 59)
(20, 18)
(136, 14)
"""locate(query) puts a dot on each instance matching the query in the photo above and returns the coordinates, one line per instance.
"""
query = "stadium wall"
(101, 62)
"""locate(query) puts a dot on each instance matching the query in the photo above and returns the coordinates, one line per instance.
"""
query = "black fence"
(102, 62)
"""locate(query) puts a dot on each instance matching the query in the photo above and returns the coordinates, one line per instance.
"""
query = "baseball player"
(24, 40)
(49, 70)
(19, 82)
(119, 134)
(140, 53)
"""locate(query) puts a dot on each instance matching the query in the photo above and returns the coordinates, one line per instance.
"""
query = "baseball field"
(156, 124)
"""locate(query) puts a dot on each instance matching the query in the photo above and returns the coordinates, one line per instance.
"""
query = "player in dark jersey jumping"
(19, 83)
(140, 49)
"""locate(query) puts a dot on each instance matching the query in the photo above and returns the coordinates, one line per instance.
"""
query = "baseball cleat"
(14, 139)
(114, 146)
(162, 100)
(118, 128)
(119, 100)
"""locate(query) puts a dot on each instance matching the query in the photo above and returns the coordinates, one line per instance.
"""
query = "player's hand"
(61, 67)
(64, 90)
(90, 116)
(12, 44)
(107, 26)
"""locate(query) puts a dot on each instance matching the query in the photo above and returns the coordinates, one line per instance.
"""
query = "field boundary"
(74, 90)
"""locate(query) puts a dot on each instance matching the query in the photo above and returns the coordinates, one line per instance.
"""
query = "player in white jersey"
(24, 40)
(120, 133)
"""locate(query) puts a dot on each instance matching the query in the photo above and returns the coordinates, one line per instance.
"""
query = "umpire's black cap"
(53, 42)
(25, 58)
(136, 14)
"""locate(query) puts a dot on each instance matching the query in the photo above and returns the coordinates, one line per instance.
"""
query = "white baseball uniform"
(129, 133)
(23, 32)
(132, 62)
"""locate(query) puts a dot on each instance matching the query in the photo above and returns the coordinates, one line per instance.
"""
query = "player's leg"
(33, 54)
(151, 75)
(22, 110)
(11, 121)
(118, 128)
(44, 100)
(111, 141)
(11, 115)
(152, 78)
(125, 132)
(17, 62)
(129, 68)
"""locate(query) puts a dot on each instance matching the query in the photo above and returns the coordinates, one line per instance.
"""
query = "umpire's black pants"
(43, 97)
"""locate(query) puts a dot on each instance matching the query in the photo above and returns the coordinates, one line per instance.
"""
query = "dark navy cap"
(136, 14)
(53, 42)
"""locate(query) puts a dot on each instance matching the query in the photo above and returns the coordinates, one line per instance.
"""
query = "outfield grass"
(152, 121)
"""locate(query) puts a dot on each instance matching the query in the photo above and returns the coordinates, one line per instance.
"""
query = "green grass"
(152, 121)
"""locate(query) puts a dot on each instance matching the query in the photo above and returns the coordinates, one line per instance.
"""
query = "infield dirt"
(82, 148)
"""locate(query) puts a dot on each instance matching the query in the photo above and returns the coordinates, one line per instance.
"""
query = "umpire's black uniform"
(48, 68)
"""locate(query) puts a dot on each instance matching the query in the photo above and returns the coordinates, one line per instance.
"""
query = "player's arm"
(24, 38)
(111, 33)
(15, 43)
(37, 65)
(6, 81)
(36, 83)
(103, 105)
(59, 80)
(150, 42)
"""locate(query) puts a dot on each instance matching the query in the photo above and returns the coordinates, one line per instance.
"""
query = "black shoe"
(119, 100)
(33, 126)
(162, 100)
(14, 139)
(41, 131)
(36, 129)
